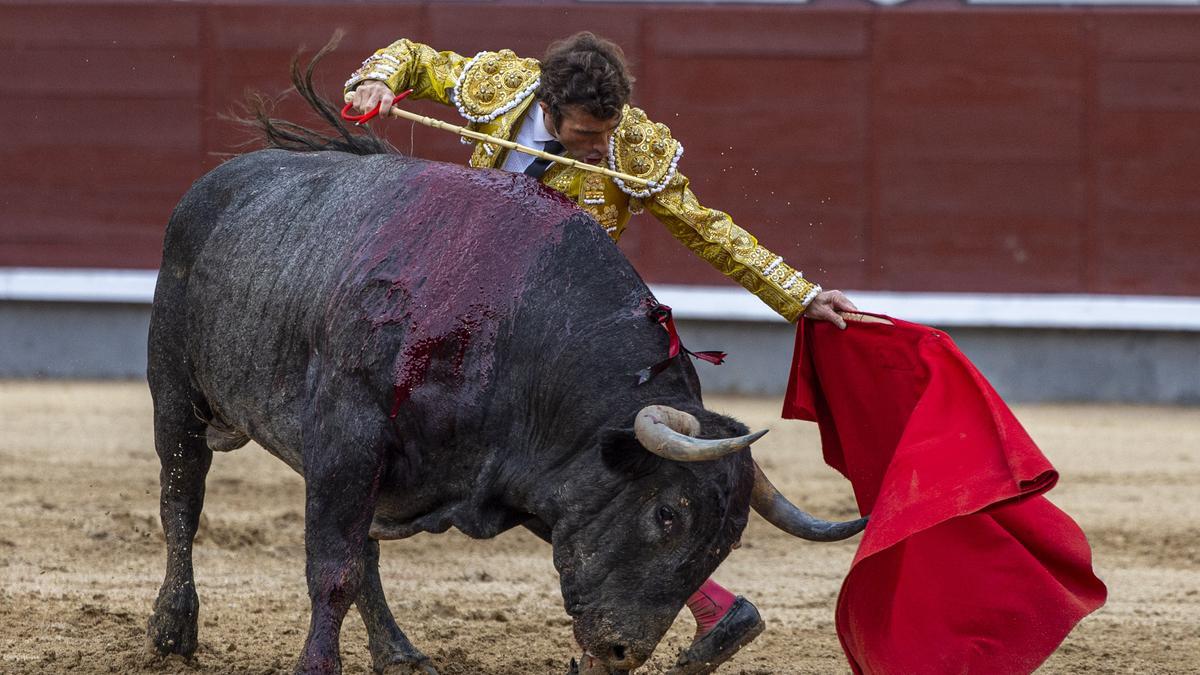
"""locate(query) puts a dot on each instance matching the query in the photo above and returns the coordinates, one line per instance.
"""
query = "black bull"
(432, 346)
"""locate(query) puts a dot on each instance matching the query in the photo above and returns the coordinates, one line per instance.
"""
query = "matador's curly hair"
(587, 71)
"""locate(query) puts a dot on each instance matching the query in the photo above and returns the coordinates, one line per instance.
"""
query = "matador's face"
(585, 137)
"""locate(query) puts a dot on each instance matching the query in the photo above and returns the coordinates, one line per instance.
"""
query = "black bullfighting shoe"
(735, 630)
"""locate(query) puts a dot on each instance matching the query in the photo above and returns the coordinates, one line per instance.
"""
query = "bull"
(432, 346)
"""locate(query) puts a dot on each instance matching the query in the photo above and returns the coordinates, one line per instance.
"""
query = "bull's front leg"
(391, 652)
(343, 460)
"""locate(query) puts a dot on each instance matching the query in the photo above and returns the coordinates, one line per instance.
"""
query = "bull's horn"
(667, 432)
(777, 510)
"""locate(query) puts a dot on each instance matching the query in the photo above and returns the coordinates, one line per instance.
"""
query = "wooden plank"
(1148, 36)
(86, 229)
(758, 31)
(1134, 136)
(970, 157)
(980, 226)
(811, 213)
(30, 74)
(925, 84)
(60, 224)
(1151, 253)
(978, 252)
(155, 124)
(85, 251)
(259, 26)
(266, 72)
(1011, 192)
(782, 165)
(965, 133)
(1052, 42)
(46, 169)
(973, 106)
(81, 209)
(84, 26)
(528, 30)
(1150, 185)
(1149, 86)
(269, 71)
(820, 114)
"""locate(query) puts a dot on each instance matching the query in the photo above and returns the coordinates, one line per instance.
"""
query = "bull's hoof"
(172, 626)
(400, 658)
(740, 625)
(422, 667)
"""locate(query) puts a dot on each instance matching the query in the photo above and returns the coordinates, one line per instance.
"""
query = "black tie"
(540, 164)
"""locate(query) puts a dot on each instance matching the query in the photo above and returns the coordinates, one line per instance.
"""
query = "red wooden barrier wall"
(932, 146)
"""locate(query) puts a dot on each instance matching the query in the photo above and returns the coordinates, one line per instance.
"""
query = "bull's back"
(279, 258)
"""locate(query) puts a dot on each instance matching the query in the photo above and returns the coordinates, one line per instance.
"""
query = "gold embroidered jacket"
(493, 91)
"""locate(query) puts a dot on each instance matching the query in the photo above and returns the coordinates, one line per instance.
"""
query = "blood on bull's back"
(393, 267)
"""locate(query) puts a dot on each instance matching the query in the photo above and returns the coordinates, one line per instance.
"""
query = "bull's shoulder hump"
(269, 157)
(255, 169)
(499, 189)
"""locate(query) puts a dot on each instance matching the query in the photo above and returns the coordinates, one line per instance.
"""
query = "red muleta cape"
(965, 567)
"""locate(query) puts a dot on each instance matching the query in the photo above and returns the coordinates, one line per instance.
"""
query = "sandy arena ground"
(81, 552)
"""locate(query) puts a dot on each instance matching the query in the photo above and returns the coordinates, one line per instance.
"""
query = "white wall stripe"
(727, 303)
(1000, 310)
(77, 285)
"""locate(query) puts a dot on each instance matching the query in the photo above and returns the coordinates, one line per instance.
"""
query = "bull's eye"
(666, 516)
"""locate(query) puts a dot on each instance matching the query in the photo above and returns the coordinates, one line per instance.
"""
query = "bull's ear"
(622, 453)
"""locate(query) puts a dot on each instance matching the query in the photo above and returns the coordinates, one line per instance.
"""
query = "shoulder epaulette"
(493, 83)
(644, 149)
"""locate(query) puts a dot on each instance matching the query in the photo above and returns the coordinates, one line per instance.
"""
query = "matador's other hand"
(827, 304)
(373, 93)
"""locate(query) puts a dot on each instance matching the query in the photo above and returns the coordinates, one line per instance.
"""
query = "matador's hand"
(371, 93)
(827, 304)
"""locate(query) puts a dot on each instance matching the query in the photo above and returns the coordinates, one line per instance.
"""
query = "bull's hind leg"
(391, 652)
(185, 458)
(344, 446)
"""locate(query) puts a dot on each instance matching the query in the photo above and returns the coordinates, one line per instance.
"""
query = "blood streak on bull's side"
(450, 261)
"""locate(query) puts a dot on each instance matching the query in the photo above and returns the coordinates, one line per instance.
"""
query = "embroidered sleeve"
(405, 64)
(713, 236)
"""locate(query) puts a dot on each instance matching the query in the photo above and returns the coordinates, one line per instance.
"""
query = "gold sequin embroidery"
(493, 82)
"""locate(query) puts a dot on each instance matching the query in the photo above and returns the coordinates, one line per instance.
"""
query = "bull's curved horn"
(667, 432)
(777, 510)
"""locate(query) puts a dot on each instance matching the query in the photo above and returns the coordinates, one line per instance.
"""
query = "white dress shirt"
(533, 134)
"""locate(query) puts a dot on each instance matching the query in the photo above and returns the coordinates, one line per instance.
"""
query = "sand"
(82, 555)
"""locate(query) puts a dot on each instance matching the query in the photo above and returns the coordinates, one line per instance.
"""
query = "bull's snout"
(616, 662)
(617, 657)
(613, 657)
(610, 652)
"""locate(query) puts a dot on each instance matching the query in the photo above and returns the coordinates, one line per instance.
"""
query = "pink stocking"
(708, 605)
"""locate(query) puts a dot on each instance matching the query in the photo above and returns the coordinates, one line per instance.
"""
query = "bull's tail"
(278, 133)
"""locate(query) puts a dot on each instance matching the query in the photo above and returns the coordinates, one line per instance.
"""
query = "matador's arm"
(405, 64)
(646, 149)
(712, 235)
